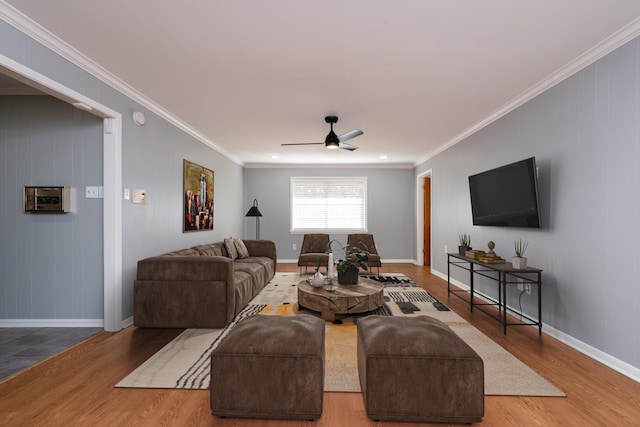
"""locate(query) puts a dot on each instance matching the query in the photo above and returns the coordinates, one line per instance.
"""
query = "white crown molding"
(328, 165)
(605, 47)
(38, 33)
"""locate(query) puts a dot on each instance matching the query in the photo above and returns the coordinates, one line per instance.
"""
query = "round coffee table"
(365, 296)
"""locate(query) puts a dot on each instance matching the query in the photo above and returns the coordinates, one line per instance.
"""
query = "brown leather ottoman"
(418, 369)
(270, 367)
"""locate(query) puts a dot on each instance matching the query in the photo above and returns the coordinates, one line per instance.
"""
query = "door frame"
(112, 180)
(420, 215)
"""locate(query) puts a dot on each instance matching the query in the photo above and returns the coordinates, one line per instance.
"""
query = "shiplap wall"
(50, 264)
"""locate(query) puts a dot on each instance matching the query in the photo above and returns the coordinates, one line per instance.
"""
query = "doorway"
(426, 190)
(423, 218)
(112, 182)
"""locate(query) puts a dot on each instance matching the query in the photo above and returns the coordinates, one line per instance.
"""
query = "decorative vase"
(318, 280)
(519, 263)
(349, 276)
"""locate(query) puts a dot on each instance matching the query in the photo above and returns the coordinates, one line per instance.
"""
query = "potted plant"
(465, 244)
(520, 261)
(355, 257)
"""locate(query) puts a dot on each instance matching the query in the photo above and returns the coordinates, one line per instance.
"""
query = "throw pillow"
(231, 248)
(243, 252)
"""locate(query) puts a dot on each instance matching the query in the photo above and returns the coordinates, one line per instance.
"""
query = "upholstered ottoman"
(418, 369)
(270, 367)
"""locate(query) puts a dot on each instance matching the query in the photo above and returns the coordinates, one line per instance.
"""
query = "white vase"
(519, 263)
(330, 266)
(318, 280)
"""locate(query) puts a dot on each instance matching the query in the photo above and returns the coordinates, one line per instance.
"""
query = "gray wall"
(389, 206)
(152, 158)
(585, 135)
(51, 264)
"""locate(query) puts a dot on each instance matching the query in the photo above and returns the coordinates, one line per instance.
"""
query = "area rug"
(184, 362)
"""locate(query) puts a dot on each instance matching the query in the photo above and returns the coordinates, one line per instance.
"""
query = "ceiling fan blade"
(332, 140)
(351, 134)
(346, 146)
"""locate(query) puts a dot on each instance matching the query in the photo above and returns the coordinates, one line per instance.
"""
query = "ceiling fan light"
(332, 141)
(332, 145)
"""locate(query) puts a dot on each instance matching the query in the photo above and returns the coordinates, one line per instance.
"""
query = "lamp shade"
(254, 211)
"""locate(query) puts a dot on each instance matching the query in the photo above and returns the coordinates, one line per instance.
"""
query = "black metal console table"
(504, 275)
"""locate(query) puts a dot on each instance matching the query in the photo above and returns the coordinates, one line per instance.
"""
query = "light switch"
(127, 194)
(92, 193)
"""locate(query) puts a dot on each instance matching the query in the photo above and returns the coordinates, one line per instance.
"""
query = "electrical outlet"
(446, 250)
(527, 288)
(294, 247)
(520, 285)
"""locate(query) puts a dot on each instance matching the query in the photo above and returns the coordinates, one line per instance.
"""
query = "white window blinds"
(328, 204)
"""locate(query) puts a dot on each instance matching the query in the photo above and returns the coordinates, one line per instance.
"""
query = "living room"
(583, 131)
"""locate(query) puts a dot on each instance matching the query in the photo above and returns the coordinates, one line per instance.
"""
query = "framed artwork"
(198, 198)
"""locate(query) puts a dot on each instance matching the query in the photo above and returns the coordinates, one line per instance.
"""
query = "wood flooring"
(76, 387)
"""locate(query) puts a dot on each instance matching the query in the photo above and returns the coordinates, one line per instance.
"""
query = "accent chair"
(314, 251)
(365, 241)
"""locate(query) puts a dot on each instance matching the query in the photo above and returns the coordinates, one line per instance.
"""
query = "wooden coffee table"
(367, 295)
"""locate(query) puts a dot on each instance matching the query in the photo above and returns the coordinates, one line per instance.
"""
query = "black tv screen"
(506, 196)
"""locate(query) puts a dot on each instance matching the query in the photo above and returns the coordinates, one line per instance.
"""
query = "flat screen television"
(506, 196)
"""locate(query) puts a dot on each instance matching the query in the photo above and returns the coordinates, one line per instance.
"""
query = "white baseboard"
(51, 323)
(127, 322)
(59, 323)
(606, 359)
(383, 261)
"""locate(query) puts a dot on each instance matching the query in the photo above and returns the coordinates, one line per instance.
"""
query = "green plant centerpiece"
(354, 257)
(465, 244)
(520, 261)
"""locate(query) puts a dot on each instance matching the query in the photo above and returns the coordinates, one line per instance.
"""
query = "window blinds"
(328, 204)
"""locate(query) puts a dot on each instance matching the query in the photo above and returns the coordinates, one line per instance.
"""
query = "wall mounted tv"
(506, 196)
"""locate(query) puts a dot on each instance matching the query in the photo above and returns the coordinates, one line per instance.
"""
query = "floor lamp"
(254, 211)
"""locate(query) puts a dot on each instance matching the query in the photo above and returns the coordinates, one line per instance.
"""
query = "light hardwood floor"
(76, 387)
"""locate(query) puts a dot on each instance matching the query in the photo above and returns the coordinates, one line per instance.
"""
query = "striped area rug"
(184, 362)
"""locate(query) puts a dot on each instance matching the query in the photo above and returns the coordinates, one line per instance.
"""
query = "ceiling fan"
(332, 140)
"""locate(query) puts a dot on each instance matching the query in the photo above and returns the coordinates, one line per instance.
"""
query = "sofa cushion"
(242, 250)
(214, 249)
(183, 252)
(257, 271)
(231, 247)
(267, 263)
(243, 289)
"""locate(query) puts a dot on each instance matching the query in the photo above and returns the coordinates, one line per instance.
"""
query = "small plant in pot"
(520, 261)
(354, 258)
(465, 244)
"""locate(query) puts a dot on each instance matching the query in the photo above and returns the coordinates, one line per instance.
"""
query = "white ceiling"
(414, 75)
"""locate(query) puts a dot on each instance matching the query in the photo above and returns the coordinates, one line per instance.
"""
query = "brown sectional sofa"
(202, 286)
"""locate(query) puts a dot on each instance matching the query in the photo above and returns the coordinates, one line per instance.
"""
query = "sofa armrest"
(175, 271)
(182, 268)
(262, 248)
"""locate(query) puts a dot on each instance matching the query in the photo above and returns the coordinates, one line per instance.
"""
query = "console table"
(504, 275)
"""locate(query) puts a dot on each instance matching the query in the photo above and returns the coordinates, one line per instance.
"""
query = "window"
(328, 204)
